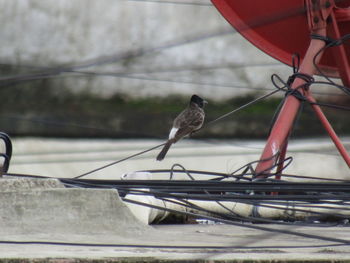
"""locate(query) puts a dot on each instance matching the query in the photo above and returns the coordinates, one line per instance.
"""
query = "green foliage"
(41, 108)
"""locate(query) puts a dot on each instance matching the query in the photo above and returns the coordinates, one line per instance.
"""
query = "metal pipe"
(291, 210)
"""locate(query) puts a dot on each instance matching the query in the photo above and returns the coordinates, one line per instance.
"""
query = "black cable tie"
(328, 40)
(296, 93)
(309, 80)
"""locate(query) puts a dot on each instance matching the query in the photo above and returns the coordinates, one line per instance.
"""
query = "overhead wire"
(173, 189)
(142, 51)
(5, 81)
(178, 192)
(219, 118)
(165, 246)
(192, 3)
(131, 75)
(119, 161)
(163, 69)
(286, 88)
(331, 43)
(155, 147)
(230, 222)
(231, 215)
(302, 197)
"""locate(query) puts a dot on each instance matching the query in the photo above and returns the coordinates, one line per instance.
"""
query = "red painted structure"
(281, 29)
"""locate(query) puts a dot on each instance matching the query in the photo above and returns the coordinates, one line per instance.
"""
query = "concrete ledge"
(44, 206)
(20, 184)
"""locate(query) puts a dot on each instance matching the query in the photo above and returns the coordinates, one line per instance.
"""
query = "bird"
(188, 121)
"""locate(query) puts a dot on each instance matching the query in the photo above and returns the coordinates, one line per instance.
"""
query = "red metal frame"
(323, 17)
(281, 28)
(318, 17)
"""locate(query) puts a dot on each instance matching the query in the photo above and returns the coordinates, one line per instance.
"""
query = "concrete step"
(42, 206)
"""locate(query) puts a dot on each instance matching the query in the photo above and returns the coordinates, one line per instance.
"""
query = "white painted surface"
(69, 158)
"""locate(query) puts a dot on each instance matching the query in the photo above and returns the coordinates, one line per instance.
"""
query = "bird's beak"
(205, 102)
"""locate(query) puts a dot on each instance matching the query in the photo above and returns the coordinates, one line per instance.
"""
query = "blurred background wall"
(99, 68)
(139, 48)
(125, 69)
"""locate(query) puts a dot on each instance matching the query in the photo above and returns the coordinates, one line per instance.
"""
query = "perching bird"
(187, 122)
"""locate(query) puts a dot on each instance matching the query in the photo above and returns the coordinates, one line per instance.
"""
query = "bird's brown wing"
(188, 121)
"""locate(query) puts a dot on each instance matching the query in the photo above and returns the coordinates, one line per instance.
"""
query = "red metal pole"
(329, 129)
(284, 122)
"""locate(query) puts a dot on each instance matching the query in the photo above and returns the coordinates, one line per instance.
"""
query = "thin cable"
(167, 246)
(254, 219)
(211, 122)
(119, 161)
(242, 107)
(331, 43)
(143, 51)
(133, 184)
(174, 81)
(165, 69)
(112, 58)
(172, 2)
(271, 230)
(286, 85)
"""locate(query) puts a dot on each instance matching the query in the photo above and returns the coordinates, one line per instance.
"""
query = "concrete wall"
(49, 33)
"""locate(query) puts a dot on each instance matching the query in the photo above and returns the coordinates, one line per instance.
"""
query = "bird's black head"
(198, 100)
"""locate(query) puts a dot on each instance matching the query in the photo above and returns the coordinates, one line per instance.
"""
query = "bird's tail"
(165, 149)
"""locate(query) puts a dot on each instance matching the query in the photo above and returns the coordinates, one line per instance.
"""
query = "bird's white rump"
(172, 133)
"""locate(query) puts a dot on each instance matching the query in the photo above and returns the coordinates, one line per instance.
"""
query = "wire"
(286, 87)
(182, 192)
(155, 147)
(331, 43)
(271, 230)
(166, 246)
(254, 219)
(309, 80)
(113, 58)
(119, 161)
(177, 81)
(163, 69)
(242, 107)
(143, 51)
(172, 2)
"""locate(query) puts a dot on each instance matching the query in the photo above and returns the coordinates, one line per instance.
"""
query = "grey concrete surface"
(94, 224)
(62, 210)
(186, 242)
(41, 220)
